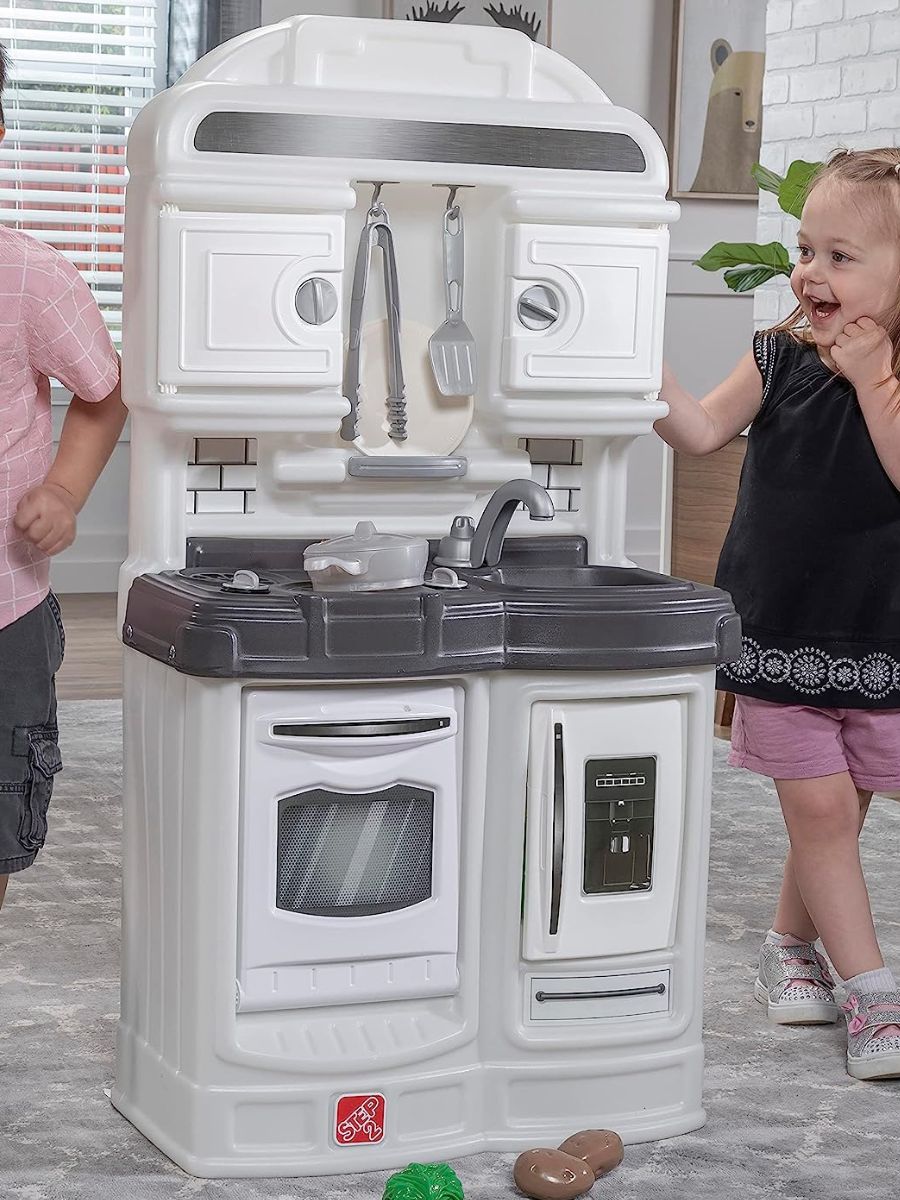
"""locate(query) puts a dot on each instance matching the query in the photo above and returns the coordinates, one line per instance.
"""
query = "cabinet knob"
(316, 301)
(538, 307)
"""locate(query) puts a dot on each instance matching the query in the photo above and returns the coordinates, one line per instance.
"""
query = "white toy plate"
(435, 424)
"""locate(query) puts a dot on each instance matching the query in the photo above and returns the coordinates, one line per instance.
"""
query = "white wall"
(626, 46)
(832, 68)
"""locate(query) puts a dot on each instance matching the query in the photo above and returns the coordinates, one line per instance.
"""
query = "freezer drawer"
(595, 997)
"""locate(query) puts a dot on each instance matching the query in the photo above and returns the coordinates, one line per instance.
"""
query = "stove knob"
(245, 581)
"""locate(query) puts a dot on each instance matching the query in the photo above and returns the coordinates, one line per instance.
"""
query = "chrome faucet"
(487, 541)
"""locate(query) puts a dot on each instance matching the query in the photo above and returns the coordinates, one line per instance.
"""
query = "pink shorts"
(792, 741)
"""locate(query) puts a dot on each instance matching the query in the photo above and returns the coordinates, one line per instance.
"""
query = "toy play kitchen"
(417, 791)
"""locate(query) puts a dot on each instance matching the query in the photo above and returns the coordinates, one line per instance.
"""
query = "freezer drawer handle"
(659, 990)
(559, 825)
(355, 729)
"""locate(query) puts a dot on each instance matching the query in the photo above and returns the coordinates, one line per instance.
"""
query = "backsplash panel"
(222, 473)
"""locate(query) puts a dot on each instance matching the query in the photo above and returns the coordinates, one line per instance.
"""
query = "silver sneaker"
(870, 1053)
(795, 984)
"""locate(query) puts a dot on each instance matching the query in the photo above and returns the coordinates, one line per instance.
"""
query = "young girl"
(812, 560)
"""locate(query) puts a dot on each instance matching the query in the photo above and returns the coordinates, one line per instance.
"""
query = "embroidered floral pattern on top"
(811, 671)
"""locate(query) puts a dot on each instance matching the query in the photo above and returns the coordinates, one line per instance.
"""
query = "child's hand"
(46, 516)
(863, 351)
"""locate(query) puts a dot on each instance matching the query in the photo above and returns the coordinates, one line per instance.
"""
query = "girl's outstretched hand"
(862, 351)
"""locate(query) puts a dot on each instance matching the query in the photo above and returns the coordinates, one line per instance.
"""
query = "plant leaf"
(793, 190)
(766, 180)
(745, 279)
(735, 254)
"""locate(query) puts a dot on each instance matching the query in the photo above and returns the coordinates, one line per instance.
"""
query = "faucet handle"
(455, 548)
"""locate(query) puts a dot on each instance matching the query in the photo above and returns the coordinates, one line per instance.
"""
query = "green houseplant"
(747, 264)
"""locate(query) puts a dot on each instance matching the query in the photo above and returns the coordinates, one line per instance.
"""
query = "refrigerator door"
(604, 826)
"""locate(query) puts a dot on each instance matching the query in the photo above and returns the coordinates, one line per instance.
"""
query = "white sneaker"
(873, 1035)
(795, 984)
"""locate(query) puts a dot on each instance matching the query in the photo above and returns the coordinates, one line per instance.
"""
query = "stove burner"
(245, 582)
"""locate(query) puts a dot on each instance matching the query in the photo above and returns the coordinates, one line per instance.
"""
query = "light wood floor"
(93, 665)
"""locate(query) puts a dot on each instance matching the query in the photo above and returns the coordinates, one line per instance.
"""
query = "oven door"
(349, 858)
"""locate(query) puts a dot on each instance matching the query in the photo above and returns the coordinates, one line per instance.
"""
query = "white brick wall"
(832, 69)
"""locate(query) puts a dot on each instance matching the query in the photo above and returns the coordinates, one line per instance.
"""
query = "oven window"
(354, 855)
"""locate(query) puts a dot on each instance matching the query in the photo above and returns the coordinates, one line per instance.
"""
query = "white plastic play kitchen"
(417, 800)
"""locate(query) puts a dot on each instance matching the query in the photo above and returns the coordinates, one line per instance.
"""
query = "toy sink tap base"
(417, 760)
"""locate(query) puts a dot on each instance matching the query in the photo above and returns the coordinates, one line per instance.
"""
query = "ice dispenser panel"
(619, 808)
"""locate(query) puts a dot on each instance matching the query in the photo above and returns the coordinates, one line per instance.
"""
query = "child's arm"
(46, 514)
(698, 427)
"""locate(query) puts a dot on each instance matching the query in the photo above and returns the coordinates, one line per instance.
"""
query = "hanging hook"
(376, 205)
(452, 188)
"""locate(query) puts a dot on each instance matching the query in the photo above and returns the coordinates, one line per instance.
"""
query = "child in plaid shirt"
(50, 328)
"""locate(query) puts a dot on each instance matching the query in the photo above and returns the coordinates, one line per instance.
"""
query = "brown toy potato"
(601, 1149)
(547, 1174)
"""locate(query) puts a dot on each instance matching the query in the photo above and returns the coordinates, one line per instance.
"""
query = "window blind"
(80, 71)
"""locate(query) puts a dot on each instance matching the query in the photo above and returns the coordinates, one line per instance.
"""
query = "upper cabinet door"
(228, 299)
(608, 285)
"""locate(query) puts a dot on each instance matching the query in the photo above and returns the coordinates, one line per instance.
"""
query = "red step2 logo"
(359, 1120)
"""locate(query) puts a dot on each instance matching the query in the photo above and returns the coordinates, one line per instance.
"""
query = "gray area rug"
(785, 1120)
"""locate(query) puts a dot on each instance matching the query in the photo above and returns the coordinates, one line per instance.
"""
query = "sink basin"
(521, 578)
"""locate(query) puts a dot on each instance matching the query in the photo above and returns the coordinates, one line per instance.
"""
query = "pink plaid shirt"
(50, 327)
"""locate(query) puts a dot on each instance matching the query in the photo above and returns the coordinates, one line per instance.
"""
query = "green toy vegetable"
(424, 1181)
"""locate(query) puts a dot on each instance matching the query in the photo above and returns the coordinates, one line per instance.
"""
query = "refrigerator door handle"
(559, 826)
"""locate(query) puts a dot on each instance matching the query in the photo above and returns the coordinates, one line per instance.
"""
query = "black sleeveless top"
(812, 557)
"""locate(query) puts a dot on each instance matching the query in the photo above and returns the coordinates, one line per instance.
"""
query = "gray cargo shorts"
(31, 652)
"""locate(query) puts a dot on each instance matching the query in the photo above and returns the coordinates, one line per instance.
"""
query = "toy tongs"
(376, 232)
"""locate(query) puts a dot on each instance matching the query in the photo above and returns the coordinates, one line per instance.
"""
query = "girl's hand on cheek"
(862, 351)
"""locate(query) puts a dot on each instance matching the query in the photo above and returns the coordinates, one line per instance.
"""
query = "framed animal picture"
(719, 56)
(532, 18)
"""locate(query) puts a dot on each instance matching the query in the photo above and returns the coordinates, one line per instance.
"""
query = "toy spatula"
(452, 347)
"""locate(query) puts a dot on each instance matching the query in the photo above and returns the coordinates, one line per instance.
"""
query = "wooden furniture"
(703, 495)
(93, 665)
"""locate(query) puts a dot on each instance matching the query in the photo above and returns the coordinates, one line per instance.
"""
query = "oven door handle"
(373, 728)
(559, 826)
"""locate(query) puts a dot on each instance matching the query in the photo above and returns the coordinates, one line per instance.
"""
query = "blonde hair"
(878, 173)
